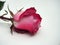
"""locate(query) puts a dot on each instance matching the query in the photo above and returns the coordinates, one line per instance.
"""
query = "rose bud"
(27, 21)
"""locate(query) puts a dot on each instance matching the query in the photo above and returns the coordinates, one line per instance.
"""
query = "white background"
(48, 34)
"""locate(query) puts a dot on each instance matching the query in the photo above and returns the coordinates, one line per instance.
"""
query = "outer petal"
(27, 12)
(17, 16)
(30, 10)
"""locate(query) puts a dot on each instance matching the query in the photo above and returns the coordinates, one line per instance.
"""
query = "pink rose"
(28, 21)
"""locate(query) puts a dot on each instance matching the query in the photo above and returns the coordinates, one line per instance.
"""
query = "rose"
(28, 20)
(24, 21)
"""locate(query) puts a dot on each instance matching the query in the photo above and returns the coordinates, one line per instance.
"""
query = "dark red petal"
(30, 10)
